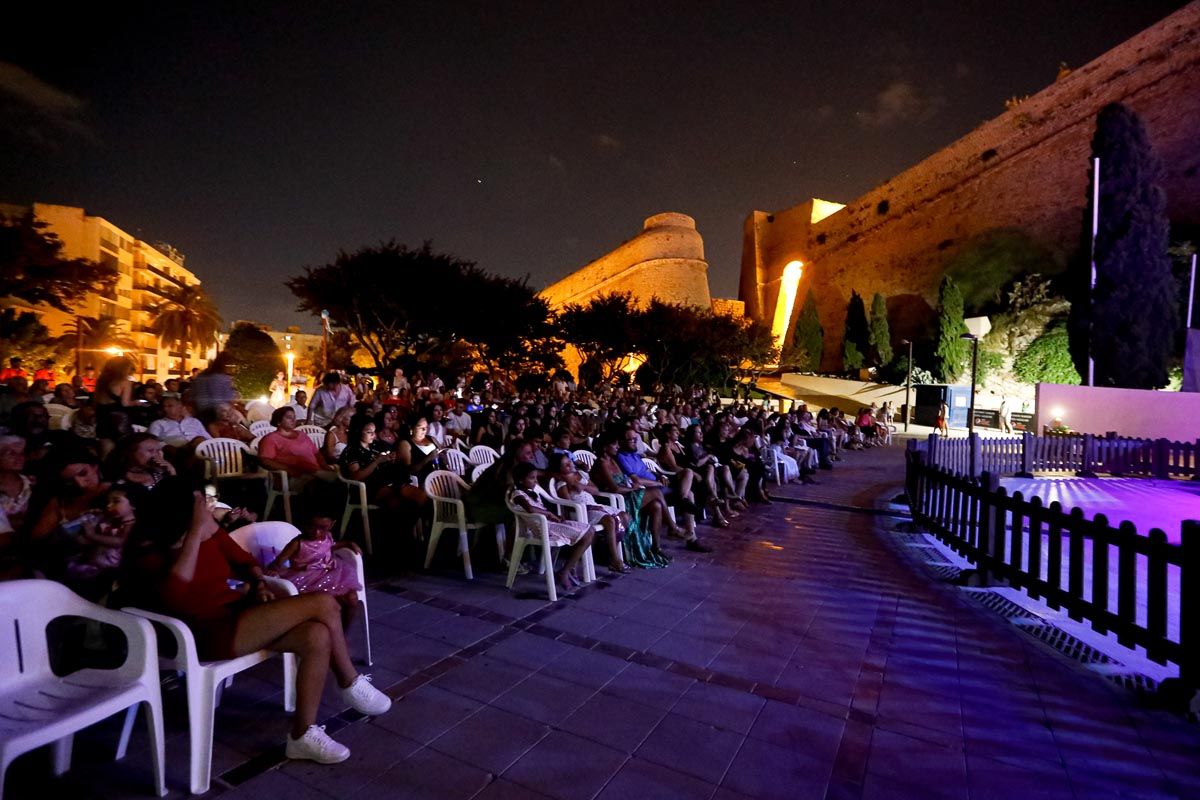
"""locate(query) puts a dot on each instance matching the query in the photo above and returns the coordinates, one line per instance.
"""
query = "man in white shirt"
(329, 399)
(177, 428)
(300, 406)
(458, 421)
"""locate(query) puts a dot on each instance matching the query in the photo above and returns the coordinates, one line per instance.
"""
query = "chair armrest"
(141, 657)
(186, 655)
(611, 499)
(353, 485)
(280, 586)
(280, 475)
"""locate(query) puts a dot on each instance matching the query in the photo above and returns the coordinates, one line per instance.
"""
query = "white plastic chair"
(312, 429)
(60, 416)
(456, 461)
(483, 455)
(261, 428)
(38, 707)
(266, 540)
(533, 531)
(225, 458)
(317, 438)
(278, 487)
(447, 491)
(254, 443)
(771, 464)
(478, 470)
(585, 459)
(204, 682)
(356, 500)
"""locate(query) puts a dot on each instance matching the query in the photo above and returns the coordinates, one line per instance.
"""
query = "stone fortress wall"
(665, 260)
(1025, 170)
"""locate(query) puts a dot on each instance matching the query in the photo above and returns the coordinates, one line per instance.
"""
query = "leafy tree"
(990, 363)
(881, 336)
(952, 351)
(255, 359)
(602, 331)
(1047, 359)
(23, 335)
(186, 318)
(856, 341)
(992, 260)
(33, 269)
(1131, 317)
(808, 341)
(1030, 306)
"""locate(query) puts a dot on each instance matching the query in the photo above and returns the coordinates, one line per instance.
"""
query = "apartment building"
(144, 272)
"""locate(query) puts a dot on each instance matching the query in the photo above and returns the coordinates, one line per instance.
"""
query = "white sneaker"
(315, 745)
(365, 698)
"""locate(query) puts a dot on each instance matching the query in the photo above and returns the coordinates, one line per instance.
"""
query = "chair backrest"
(769, 456)
(312, 429)
(60, 416)
(254, 443)
(652, 465)
(261, 428)
(317, 439)
(455, 460)
(478, 470)
(26, 608)
(225, 455)
(483, 455)
(584, 458)
(265, 540)
(444, 483)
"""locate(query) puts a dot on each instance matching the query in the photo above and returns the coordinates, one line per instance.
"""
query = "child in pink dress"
(571, 534)
(311, 566)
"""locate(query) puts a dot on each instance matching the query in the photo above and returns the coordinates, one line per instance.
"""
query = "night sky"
(260, 138)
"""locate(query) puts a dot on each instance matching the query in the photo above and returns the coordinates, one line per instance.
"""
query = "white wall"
(1139, 413)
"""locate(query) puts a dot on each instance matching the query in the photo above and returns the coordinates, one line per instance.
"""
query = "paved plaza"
(807, 657)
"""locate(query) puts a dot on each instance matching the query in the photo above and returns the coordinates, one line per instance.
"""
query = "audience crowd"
(102, 488)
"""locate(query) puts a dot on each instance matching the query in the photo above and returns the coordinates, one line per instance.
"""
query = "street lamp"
(974, 340)
(324, 341)
(907, 385)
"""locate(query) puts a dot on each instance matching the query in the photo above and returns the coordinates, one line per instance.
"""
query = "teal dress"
(638, 543)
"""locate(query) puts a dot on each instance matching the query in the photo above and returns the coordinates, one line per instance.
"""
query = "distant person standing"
(943, 417)
(46, 372)
(213, 386)
(1005, 416)
(13, 370)
(326, 401)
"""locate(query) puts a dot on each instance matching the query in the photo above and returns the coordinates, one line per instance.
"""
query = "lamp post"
(974, 340)
(324, 342)
(907, 385)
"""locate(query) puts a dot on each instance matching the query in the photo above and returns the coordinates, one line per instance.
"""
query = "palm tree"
(91, 334)
(186, 317)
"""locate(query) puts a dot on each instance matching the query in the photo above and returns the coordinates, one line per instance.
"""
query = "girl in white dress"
(573, 535)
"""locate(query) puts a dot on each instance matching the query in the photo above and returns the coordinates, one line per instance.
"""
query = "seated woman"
(419, 453)
(488, 432)
(223, 422)
(287, 449)
(56, 537)
(741, 453)
(16, 489)
(517, 430)
(716, 476)
(337, 435)
(386, 476)
(646, 507)
(573, 534)
(571, 486)
(192, 567)
(387, 429)
(672, 458)
(139, 460)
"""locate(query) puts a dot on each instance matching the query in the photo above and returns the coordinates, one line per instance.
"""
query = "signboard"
(985, 418)
(1022, 421)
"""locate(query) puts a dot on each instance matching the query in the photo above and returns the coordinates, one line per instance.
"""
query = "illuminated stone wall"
(1025, 170)
(665, 260)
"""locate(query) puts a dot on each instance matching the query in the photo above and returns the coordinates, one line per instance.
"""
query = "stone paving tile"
(640, 778)
(614, 721)
(529, 651)
(720, 707)
(648, 686)
(566, 767)
(492, 739)
(501, 789)
(695, 748)
(372, 751)
(770, 772)
(428, 775)
(631, 633)
(482, 679)
(588, 668)
(427, 713)
(543, 698)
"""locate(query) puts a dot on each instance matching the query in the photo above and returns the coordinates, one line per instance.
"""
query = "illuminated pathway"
(805, 658)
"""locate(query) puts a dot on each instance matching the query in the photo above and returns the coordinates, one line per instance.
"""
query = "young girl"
(562, 533)
(571, 487)
(101, 538)
(313, 568)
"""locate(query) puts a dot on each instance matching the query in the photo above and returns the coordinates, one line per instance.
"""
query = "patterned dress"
(314, 569)
(561, 534)
(638, 543)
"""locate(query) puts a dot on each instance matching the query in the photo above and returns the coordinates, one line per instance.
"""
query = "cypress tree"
(856, 340)
(810, 336)
(1132, 316)
(881, 335)
(951, 349)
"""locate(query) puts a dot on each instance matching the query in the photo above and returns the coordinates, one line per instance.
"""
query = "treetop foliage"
(33, 269)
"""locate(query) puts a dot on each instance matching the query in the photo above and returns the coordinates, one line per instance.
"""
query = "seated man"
(177, 428)
(458, 421)
(630, 461)
(64, 395)
(300, 406)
